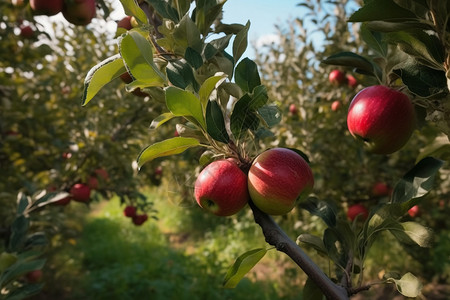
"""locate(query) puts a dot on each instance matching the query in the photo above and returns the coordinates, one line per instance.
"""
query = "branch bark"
(276, 237)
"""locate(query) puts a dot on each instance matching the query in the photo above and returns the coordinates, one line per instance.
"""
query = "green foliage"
(243, 264)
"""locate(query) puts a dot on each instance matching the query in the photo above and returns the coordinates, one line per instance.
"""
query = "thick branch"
(275, 236)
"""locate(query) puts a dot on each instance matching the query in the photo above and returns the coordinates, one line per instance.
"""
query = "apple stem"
(276, 237)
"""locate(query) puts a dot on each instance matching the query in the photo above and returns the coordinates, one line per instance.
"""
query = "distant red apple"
(125, 23)
(26, 32)
(381, 189)
(221, 188)
(34, 276)
(129, 211)
(63, 202)
(293, 110)
(382, 117)
(80, 192)
(336, 105)
(139, 219)
(351, 81)
(414, 211)
(100, 173)
(46, 7)
(357, 210)
(66, 155)
(277, 178)
(158, 170)
(337, 77)
(79, 12)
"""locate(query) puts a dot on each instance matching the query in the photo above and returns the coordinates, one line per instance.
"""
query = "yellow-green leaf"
(242, 266)
(184, 103)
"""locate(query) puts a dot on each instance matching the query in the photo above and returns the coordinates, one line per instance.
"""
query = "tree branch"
(275, 236)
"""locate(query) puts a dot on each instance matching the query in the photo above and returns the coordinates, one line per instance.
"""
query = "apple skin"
(383, 117)
(79, 12)
(221, 188)
(277, 178)
(357, 210)
(336, 105)
(130, 211)
(293, 110)
(46, 7)
(337, 77)
(352, 82)
(80, 192)
(414, 211)
(26, 32)
(381, 189)
(125, 23)
(138, 220)
(34, 276)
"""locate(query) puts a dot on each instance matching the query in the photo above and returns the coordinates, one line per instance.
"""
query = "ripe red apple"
(381, 189)
(277, 178)
(293, 110)
(130, 211)
(46, 7)
(79, 12)
(335, 105)
(26, 32)
(139, 219)
(414, 211)
(351, 81)
(93, 182)
(337, 77)
(34, 276)
(382, 117)
(221, 188)
(357, 210)
(125, 23)
(80, 192)
(99, 173)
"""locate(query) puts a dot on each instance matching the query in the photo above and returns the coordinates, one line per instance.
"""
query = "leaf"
(161, 119)
(240, 42)
(22, 203)
(409, 285)
(259, 97)
(312, 291)
(20, 268)
(49, 198)
(132, 9)
(374, 40)
(243, 264)
(180, 74)
(215, 123)
(322, 209)
(412, 233)
(36, 239)
(19, 229)
(439, 147)
(270, 114)
(243, 117)
(165, 9)
(353, 60)
(25, 291)
(208, 86)
(184, 103)
(247, 76)
(167, 147)
(193, 58)
(381, 10)
(383, 26)
(418, 181)
(206, 13)
(100, 75)
(313, 241)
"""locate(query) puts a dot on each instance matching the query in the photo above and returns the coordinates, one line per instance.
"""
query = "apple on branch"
(46, 7)
(80, 192)
(357, 210)
(337, 77)
(277, 178)
(79, 12)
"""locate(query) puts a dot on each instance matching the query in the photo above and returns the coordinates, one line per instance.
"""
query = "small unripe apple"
(80, 192)
(351, 81)
(414, 211)
(130, 211)
(34, 276)
(293, 110)
(221, 188)
(125, 23)
(382, 117)
(46, 7)
(277, 178)
(26, 32)
(139, 219)
(337, 77)
(335, 105)
(357, 210)
(79, 12)
(381, 189)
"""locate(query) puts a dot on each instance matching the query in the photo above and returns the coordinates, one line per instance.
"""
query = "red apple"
(381, 189)
(34, 276)
(414, 211)
(352, 82)
(79, 12)
(126, 77)
(277, 178)
(382, 117)
(46, 7)
(337, 77)
(335, 105)
(357, 210)
(26, 32)
(80, 192)
(158, 170)
(129, 211)
(125, 23)
(139, 219)
(101, 174)
(221, 188)
(293, 110)
(93, 182)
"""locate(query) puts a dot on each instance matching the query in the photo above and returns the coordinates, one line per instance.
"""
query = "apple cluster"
(130, 211)
(275, 180)
(339, 78)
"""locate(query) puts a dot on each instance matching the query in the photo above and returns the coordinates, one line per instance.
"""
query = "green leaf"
(184, 103)
(193, 58)
(180, 74)
(242, 266)
(165, 9)
(322, 209)
(137, 53)
(36, 239)
(100, 75)
(243, 117)
(167, 147)
(20, 268)
(353, 60)
(206, 13)
(259, 97)
(412, 233)
(49, 198)
(19, 229)
(333, 243)
(374, 40)
(161, 119)
(383, 26)
(215, 123)
(25, 291)
(22, 203)
(247, 76)
(439, 147)
(132, 8)
(409, 285)
(381, 10)
(418, 181)
(312, 291)
(312, 241)
(208, 86)
(270, 114)
(240, 42)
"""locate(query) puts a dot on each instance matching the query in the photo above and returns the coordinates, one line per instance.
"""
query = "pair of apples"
(276, 179)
